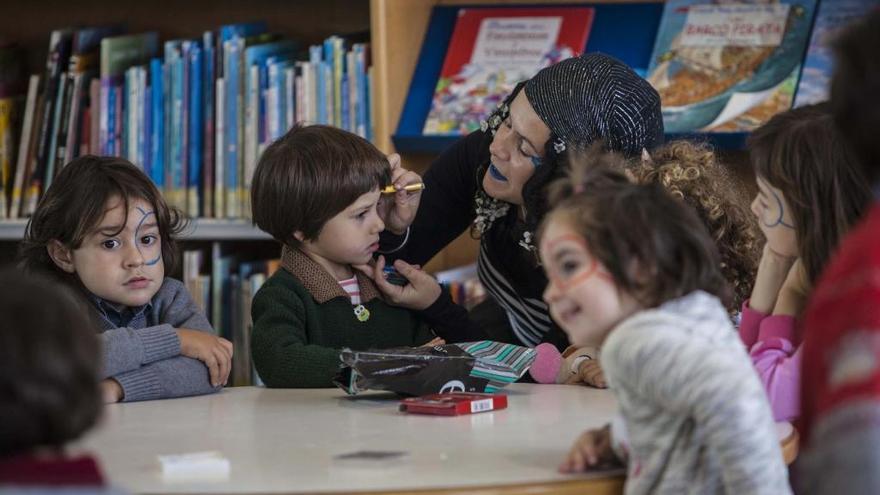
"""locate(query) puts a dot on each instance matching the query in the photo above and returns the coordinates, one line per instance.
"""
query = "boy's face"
(349, 238)
(120, 260)
(582, 295)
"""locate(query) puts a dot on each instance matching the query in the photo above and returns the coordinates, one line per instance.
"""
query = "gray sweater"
(697, 416)
(142, 350)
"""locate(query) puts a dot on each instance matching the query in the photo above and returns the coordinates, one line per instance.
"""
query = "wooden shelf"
(203, 229)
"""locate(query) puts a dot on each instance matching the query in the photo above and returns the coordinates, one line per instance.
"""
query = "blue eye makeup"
(137, 235)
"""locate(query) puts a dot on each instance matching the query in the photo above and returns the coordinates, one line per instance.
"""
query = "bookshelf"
(308, 22)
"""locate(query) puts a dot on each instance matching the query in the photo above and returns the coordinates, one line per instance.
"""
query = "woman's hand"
(399, 210)
(421, 291)
(215, 352)
(772, 272)
(592, 448)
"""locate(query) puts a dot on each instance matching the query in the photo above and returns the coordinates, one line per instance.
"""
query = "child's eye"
(149, 240)
(110, 244)
(569, 267)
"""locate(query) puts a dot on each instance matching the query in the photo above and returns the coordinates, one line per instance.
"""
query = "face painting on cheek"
(586, 271)
(137, 234)
(778, 221)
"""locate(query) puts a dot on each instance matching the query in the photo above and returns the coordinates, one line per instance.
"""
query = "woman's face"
(516, 151)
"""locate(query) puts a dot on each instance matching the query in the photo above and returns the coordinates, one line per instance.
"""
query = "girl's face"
(774, 219)
(516, 150)
(120, 260)
(583, 297)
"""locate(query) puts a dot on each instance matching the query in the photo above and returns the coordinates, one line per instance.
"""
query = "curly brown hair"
(692, 173)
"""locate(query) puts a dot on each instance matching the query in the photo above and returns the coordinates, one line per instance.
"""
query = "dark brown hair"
(311, 174)
(691, 173)
(76, 202)
(802, 153)
(49, 364)
(654, 246)
(855, 90)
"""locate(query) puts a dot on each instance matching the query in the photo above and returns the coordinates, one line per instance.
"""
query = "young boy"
(316, 190)
(49, 369)
(112, 245)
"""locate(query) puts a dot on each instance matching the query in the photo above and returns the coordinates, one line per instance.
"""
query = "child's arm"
(727, 402)
(175, 377)
(776, 353)
(772, 272)
(126, 349)
(279, 344)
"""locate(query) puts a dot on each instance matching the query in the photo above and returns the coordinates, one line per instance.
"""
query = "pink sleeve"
(749, 324)
(777, 360)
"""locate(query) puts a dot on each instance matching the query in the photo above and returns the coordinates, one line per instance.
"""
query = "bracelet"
(398, 248)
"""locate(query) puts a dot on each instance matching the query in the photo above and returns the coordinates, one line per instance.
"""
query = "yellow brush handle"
(408, 188)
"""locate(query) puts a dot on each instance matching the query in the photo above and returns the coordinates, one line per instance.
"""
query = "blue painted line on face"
(146, 215)
(536, 161)
(779, 221)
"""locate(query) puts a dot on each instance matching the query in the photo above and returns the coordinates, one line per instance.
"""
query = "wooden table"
(287, 441)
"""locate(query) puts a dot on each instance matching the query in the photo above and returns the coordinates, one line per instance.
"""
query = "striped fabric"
(529, 317)
(499, 363)
(352, 288)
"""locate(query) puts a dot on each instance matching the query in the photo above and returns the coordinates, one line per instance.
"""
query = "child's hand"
(111, 391)
(421, 291)
(400, 211)
(794, 292)
(433, 342)
(215, 352)
(772, 271)
(591, 449)
(589, 373)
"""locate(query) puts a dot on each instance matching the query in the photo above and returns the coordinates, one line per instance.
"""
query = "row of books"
(718, 66)
(195, 117)
(225, 295)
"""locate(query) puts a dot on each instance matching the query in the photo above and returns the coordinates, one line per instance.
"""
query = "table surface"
(289, 440)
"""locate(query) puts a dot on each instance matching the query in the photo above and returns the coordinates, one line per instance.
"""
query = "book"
(12, 90)
(831, 17)
(728, 67)
(118, 53)
(491, 50)
(25, 146)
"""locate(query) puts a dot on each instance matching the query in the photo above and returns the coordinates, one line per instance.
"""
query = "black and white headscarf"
(582, 100)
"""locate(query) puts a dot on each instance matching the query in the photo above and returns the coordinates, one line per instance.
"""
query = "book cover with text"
(724, 67)
(491, 50)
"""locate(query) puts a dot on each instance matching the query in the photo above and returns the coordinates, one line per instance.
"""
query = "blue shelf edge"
(436, 144)
(641, 21)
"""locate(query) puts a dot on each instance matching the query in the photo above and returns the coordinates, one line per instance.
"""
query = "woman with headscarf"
(493, 181)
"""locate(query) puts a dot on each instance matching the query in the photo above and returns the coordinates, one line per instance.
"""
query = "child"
(317, 191)
(49, 362)
(840, 420)
(810, 192)
(103, 228)
(633, 270)
(689, 172)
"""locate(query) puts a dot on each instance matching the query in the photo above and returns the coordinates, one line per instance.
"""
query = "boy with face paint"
(113, 244)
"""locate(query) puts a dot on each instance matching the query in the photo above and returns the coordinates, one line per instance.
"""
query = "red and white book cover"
(491, 50)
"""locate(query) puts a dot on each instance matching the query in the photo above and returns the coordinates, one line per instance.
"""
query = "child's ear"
(61, 255)
(298, 235)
